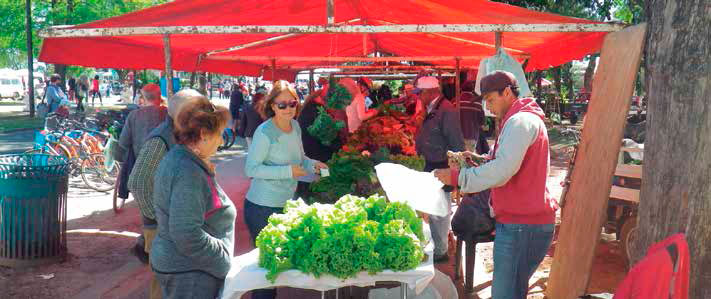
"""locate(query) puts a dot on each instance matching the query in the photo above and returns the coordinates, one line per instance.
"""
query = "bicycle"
(84, 152)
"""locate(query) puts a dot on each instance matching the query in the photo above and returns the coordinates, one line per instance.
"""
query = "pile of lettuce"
(355, 234)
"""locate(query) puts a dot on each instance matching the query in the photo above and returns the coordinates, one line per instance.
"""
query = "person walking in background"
(73, 94)
(439, 133)
(251, 117)
(275, 160)
(83, 88)
(236, 101)
(140, 182)
(95, 90)
(108, 88)
(71, 90)
(192, 252)
(472, 116)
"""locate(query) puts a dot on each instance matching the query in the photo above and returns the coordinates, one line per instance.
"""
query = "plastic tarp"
(189, 51)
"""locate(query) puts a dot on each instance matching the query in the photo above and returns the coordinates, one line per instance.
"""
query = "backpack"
(472, 217)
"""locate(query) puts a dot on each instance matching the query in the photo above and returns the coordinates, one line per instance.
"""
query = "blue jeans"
(256, 216)
(439, 226)
(518, 250)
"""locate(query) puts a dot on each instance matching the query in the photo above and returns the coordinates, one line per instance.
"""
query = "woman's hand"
(297, 171)
(320, 165)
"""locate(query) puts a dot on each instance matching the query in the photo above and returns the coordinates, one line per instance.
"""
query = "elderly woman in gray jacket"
(192, 251)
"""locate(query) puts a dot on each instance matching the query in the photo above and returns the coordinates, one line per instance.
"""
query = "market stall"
(279, 39)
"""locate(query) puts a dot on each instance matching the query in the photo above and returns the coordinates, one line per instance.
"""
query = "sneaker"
(140, 254)
(438, 259)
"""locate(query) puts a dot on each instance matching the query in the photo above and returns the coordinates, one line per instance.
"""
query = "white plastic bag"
(421, 190)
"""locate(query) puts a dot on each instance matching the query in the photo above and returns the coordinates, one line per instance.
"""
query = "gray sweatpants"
(439, 226)
(194, 284)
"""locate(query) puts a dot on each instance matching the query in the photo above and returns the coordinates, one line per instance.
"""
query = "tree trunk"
(556, 80)
(589, 72)
(203, 83)
(209, 92)
(61, 70)
(569, 81)
(676, 191)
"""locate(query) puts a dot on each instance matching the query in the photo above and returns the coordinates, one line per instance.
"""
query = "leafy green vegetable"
(353, 235)
(325, 128)
(338, 96)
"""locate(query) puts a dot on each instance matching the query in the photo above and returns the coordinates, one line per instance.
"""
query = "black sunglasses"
(291, 104)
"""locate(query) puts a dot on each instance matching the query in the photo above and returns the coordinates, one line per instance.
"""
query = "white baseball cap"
(426, 82)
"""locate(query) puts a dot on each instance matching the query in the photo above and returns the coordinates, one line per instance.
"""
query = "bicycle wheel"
(117, 201)
(94, 173)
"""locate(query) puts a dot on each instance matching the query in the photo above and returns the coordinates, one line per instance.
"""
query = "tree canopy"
(45, 13)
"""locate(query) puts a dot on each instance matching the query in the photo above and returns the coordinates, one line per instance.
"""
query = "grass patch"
(10, 103)
(13, 121)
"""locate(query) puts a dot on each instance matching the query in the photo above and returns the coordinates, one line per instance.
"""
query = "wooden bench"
(627, 171)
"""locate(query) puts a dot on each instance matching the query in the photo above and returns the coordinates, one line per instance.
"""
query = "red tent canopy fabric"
(189, 51)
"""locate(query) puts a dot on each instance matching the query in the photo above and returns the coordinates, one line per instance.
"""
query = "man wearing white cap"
(440, 132)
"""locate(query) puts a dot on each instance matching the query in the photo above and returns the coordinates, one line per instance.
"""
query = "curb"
(19, 130)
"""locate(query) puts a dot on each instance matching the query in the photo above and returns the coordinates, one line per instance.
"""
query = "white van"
(11, 87)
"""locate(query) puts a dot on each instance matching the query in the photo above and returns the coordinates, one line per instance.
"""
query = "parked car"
(11, 87)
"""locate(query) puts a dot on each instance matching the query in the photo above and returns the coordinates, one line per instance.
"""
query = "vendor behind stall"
(440, 132)
(516, 173)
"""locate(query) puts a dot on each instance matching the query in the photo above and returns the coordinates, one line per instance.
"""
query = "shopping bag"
(420, 190)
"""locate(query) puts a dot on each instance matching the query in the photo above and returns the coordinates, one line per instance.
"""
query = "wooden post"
(311, 81)
(273, 70)
(457, 85)
(168, 66)
(589, 191)
(499, 40)
(30, 68)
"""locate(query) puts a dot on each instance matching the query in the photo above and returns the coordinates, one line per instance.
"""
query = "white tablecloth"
(246, 275)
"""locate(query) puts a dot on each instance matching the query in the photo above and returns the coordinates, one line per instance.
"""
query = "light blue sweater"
(269, 161)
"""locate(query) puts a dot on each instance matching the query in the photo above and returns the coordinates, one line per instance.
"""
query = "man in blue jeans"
(516, 173)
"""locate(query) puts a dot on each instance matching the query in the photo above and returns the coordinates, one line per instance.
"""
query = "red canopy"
(190, 51)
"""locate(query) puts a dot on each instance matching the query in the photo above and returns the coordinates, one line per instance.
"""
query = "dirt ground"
(99, 263)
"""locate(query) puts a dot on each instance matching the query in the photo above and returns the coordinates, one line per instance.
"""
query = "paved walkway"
(16, 142)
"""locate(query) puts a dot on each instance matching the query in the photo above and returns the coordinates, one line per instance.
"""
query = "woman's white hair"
(178, 99)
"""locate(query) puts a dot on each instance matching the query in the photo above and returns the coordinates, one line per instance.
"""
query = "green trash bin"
(33, 209)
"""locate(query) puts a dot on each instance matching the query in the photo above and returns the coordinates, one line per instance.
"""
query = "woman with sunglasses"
(275, 161)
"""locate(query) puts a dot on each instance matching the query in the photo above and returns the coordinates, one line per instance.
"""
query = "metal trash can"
(33, 209)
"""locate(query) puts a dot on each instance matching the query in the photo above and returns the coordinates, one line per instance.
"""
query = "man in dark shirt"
(236, 101)
(440, 132)
(471, 114)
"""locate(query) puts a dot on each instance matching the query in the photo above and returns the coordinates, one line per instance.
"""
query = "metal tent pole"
(168, 66)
